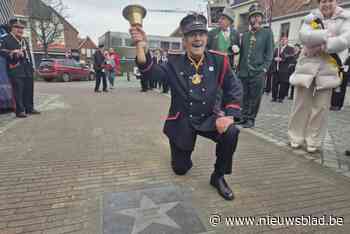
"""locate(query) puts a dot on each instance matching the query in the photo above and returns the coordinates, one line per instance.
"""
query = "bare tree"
(46, 20)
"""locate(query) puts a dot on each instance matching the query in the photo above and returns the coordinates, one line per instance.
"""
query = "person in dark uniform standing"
(20, 68)
(283, 57)
(99, 67)
(225, 38)
(165, 86)
(205, 98)
(6, 94)
(255, 59)
(338, 94)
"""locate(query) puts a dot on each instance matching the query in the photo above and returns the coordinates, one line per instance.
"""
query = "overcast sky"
(95, 17)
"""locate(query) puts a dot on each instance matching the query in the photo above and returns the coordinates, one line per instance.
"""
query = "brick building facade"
(69, 38)
(87, 49)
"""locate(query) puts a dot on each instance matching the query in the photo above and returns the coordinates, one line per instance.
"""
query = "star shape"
(150, 213)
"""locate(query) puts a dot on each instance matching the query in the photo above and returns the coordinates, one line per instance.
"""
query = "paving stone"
(90, 161)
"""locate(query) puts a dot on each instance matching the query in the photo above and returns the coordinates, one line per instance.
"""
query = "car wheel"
(66, 77)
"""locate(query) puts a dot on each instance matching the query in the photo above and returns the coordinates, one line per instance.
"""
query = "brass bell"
(134, 14)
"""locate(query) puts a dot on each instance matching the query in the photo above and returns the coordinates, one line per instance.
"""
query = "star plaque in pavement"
(166, 210)
(149, 213)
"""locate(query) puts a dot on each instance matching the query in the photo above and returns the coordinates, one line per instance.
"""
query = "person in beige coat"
(325, 35)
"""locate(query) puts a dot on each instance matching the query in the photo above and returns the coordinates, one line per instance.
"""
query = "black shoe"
(249, 124)
(280, 100)
(335, 108)
(273, 100)
(97, 91)
(242, 121)
(105, 90)
(34, 112)
(347, 153)
(223, 189)
(21, 115)
(290, 98)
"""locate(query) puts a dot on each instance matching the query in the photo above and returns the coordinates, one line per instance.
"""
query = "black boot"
(249, 124)
(347, 153)
(242, 121)
(222, 187)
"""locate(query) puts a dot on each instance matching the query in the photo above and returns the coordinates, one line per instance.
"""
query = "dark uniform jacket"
(17, 67)
(195, 107)
(287, 58)
(99, 60)
(256, 52)
(293, 63)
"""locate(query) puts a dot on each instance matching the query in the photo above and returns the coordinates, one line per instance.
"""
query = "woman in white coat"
(325, 35)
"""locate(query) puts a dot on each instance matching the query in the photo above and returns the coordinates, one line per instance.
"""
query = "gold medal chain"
(196, 65)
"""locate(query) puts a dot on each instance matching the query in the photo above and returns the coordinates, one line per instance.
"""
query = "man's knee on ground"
(232, 132)
(180, 170)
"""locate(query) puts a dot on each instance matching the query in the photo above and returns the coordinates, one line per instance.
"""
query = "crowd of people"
(16, 73)
(159, 57)
(107, 67)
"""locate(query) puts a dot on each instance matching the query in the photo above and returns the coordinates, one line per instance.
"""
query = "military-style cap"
(193, 22)
(14, 22)
(255, 9)
(227, 12)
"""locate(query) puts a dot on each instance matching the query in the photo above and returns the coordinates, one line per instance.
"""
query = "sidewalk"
(99, 163)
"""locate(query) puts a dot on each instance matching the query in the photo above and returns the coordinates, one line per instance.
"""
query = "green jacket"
(256, 55)
(213, 40)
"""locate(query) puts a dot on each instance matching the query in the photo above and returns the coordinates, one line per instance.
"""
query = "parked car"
(64, 70)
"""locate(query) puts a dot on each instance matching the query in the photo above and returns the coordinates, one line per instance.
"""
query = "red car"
(64, 70)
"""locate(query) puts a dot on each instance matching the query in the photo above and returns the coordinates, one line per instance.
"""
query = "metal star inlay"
(150, 213)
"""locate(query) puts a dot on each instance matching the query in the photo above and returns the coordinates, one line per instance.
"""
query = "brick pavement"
(56, 168)
(272, 125)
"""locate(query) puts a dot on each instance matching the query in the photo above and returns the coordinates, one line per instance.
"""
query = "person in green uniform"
(255, 59)
(225, 38)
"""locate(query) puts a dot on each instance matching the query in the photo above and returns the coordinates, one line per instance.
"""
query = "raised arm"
(143, 59)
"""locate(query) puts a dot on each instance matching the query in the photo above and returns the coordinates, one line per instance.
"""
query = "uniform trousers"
(280, 85)
(226, 145)
(338, 95)
(253, 89)
(309, 116)
(23, 89)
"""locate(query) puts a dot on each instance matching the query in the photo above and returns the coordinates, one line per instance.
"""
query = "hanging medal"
(196, 78)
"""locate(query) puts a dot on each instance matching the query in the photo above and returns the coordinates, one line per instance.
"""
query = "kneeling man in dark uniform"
(205, 98)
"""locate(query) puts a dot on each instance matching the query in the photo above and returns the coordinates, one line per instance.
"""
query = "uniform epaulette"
(217, 52)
